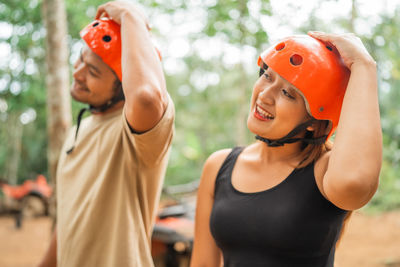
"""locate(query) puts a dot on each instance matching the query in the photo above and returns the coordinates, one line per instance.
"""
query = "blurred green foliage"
(23, 87)
(211, 92)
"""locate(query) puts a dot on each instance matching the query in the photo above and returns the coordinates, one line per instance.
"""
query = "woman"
(282, 201)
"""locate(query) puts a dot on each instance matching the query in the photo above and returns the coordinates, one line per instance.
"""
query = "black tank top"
(288, 225)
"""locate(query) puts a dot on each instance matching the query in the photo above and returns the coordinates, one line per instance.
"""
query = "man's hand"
(115, 10)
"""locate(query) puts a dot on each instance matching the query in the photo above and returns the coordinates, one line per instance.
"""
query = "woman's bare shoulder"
(218, 157)
(211, 168)
(215, 160)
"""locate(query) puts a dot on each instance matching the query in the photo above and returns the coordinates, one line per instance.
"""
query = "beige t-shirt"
(108, 190)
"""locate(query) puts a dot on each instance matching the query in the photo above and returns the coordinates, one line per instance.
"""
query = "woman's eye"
(266, 76)
(286, 93)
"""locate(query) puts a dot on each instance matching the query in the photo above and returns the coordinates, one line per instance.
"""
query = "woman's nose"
(267, 95)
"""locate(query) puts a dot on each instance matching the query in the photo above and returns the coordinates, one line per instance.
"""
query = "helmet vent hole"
(296, 60)
(95, 24)
(279, 46)
(329, 48)
(106, 38)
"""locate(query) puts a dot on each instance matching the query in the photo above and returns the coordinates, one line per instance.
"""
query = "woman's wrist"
(367, 63)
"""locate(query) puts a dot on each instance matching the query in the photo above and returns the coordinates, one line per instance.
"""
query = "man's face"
(93, 79)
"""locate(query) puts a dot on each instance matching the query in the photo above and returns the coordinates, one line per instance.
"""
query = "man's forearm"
(50, 258)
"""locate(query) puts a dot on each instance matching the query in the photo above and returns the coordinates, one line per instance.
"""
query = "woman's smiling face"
(276, 107)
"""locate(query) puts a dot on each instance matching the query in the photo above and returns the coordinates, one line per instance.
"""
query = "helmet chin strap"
(119, 96)
(288, 138)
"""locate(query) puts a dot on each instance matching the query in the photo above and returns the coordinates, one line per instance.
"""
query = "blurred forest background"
(209, 49)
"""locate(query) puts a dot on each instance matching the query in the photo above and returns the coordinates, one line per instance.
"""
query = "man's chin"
(77, 98)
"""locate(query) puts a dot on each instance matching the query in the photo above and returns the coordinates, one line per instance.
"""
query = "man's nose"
(79, 70)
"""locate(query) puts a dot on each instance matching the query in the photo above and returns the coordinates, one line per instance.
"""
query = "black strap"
(81, 112)
(119, 96)
(288, 138)
(275, 143)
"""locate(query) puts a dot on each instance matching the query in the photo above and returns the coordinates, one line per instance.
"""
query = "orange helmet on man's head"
(315, 69)
(103, 37)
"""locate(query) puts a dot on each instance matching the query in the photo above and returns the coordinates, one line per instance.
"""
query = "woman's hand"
(115, 10)
(349, 46)
(350, 175)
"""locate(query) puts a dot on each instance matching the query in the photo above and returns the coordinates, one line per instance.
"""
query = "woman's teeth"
(264, 113)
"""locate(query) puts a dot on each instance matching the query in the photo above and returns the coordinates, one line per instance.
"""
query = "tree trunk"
(353, 17)
(241, 115)
(15, 138)
(57, 80)
(241, 126)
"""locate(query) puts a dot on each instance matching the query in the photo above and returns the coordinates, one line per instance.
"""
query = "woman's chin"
(255, 129)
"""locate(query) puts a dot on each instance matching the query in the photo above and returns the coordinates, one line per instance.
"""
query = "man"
(112, 165)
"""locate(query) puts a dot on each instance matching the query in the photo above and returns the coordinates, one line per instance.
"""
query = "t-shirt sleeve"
(152, 145)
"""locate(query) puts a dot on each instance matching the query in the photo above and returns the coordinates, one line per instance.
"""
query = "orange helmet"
(103, 37)
(313, 68)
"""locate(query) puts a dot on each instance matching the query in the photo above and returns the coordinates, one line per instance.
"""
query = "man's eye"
(266, 76)
(92, 73)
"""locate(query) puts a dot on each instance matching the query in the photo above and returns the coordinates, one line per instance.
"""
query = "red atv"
(172, 239)
(27, 200)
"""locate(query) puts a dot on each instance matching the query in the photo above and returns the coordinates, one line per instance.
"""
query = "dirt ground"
(370, 241)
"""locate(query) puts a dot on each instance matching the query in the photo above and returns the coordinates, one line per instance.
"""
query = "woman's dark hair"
(118, 91)
(312, 152)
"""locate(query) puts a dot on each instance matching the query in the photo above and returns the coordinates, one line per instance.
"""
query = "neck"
(117, 106)
(287, 152)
